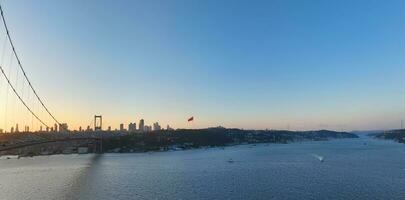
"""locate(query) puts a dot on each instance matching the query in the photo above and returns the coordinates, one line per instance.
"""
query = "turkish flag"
(190, 119)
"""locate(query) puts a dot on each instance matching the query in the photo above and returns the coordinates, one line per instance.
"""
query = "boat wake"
(320, 158)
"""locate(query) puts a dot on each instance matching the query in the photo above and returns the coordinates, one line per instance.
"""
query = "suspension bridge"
(26, 120)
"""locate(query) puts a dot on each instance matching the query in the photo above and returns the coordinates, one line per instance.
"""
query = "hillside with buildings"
(159, 140)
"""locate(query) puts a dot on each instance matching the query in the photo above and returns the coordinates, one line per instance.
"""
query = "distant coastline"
(396, 135)
(163, 140)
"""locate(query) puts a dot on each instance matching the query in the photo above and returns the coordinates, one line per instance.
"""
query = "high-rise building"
(16, 128)
(63, 127)
(132, 127)
(121, 127)
(109, 128)
(156, 126)
(141, 125)
(169, 128)
(56, 127)
(147, 128)
(40, 128)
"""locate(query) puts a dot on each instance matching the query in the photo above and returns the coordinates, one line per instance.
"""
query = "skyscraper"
(147, 128)
(169, 128)
(132, 127)
(121, 127)
(156, 126)
(141, 125)
(63, 127)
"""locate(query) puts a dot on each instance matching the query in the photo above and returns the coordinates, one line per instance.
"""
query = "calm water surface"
(353, 169)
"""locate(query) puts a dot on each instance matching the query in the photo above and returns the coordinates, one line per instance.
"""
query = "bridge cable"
(5, 86)
(19, 97)
(8, 87)
(22, 69)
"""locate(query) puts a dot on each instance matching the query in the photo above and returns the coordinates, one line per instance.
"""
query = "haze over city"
(267, 64)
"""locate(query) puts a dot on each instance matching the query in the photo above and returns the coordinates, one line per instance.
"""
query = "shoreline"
(249, 145)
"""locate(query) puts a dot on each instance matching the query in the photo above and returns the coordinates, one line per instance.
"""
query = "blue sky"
(247, 64)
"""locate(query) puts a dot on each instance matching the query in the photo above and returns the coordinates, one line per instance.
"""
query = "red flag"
(190, 119)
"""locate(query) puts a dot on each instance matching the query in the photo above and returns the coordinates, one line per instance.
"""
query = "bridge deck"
(17, 146)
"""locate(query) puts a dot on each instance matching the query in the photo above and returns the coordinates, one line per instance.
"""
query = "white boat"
(321, 159)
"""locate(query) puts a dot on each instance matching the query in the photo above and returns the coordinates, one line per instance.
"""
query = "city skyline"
(63, 127)
(274, 65)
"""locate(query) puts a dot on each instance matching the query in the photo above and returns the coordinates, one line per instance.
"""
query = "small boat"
(230, 161)
(320, 158)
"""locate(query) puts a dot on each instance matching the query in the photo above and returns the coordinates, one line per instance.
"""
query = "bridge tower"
(98, 126)
(98, 122)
